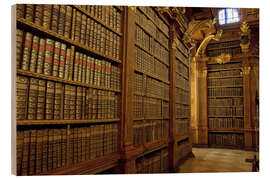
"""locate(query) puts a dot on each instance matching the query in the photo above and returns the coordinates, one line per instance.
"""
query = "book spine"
(72, 102)
(27, 51)
(32, 154)
(79, 103)
(32, 101)
(92, 70)
(68, 22)
(61, 25)
(41, 54)
(29, 12)
(63, 147)
(48, 56)
(38, 147)
(47, 15)
(19, 47)
(26, 146)
(67, 102)
(83, 30)
(19, 151)
(84, 68)
(56, 58)
(55, 16)
(78, 26)
(67, 64)
(20, 8)
(87, 33)
(76, 66)
(49, 100)
(62, 60)
(41, 99)
(57, 100)
(38, 15)
(80, 67)
(45, 139)
(34, 54)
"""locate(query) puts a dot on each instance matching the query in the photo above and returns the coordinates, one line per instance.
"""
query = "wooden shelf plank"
(149, 17)
(48, 122)
(227, 69)
(182, 136)
(151, 96)
(224, 106)
(225, 116)
(180, 87)
(148, 52)
(226, 86)
(151, 75)
(178, 102)
(97, 20)
(225, 77)
(182, 75)
(57, 79)
(89, 166)
(150, 34)
(224, 97)
(231, 130)
(62, 38)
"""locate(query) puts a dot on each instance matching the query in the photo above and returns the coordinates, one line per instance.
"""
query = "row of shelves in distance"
(148, 52)
(227, 86)
(231, 130)
(151, 96)
(149, 118)
(150, 34)
(57, 79)
(227, 69)
(182, 75)
(154, 21)
(96, 19)
(151, 75)
(225, 77)
(214, 97)
(53, 34)
(50, 122)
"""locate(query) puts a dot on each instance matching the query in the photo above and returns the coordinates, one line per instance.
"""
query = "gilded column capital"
(246, 70)
(132, 8)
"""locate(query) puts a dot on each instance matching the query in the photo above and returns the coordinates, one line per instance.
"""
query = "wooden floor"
(217, 160)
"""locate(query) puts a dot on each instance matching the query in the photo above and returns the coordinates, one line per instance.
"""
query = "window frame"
(225, 19)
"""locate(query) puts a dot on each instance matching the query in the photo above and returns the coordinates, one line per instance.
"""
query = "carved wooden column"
(247, 104)
(127, 150)
(194, 99)
(202, 95)
(172, 124)
(254, 99)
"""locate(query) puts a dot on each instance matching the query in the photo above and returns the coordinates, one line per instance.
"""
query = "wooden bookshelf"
(100, 114)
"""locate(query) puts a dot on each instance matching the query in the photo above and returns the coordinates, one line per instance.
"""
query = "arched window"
(227, 16)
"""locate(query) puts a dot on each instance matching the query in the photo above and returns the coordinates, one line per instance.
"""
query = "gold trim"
(246, 70)
(132, 8)
(223, 58)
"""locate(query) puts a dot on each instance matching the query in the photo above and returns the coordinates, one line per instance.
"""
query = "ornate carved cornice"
(201, 50)
(222, 59)
(244, 37)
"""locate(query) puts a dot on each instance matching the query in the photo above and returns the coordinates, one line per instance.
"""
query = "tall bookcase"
(225, 104)
(68, 87)
(97, 90)
(151, 88)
